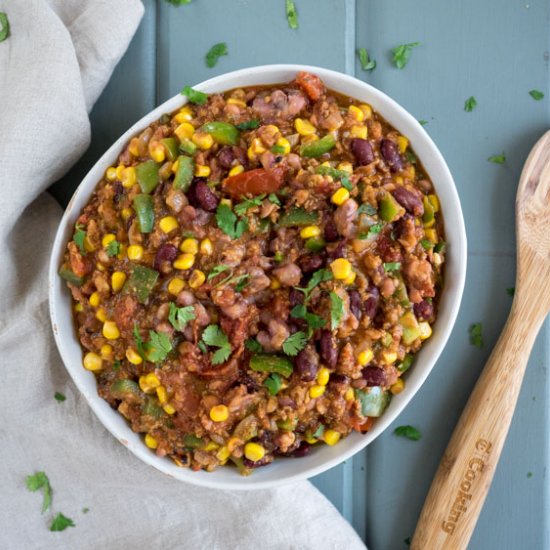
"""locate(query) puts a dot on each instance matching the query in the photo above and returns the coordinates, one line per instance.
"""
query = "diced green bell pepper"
(171, 146)
(429, 212)
(247, 428)
(373, 401)
(287, 425)
(122, 387)
(389, 209)
(297, 216)
(401, 292)
(141, 282)
(405, 365)
(143, 205)
(184, 175)
(147, 175)
(222, 132)
(317, 148)
(71, 277)
(152, 408)
(191, 441)
(187, 146)
(411, 330)
(315, 244)
(243, 470)
(271, 363)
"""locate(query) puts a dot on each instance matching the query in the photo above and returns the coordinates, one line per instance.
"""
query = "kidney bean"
(310, 262)
(226, 157)
(303, 450)
(362, 151)
(390, 153)
(424, 310)
(118, 190)
(375, 376)
(355, 304)
(331, 232)
(204, 196)
(336, 378)
(295, 297)
(327, 345)
(371, 303)
(410, 200)
(266, 441)
(251, 384)
(165, 253)
(258, 464)
(307, 364)
(336, 251)
(388, 249)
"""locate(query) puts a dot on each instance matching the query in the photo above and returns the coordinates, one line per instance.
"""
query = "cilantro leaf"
(476, 335)
(336, 310)
(366, 63)
(241, 280)
(214, 53)
(278, 149)
(4, 27)
(422, 122)
(367, 208)
(61, 522)
(291, 14)
(295, 343)
(228, 222)
(59, 397)
(373, 230)
(158, 347)
(320, 276)
(511, 291)
(426, 244)
(314, 321)
(139, 341)
(202, 346)
(402, 53)
(248, 125)
(180, 316)
(537, 95)
(37, 481)
(113, 248)
(470, 104)
(253, 345)
(274, 199)
(214, 336)
(497, 159)
(440, 247)
(411, 157)
(392, 266)
(216, 270)
(78, 238)
(194, 96)
(245, 205)
(179, 2)
(410, 432)
(273, 383)
(85, 510)
(529, 475)
(319, 432)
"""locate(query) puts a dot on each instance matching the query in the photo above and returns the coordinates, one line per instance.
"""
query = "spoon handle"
(466, 470)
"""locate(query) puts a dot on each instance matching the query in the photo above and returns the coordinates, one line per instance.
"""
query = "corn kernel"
(156, 151)
(398, 179)
(331, 437)
(88, 246)
(108, 238)
(340, 196)
(101, 315)
(349, 395)
(135, 252)
(431, 235)
(233, 443)
(100, 266)
(219, 413)
(365, 357)
(341, 268)
(316, 391)
(175, 286)
(168, 409)
(189, 246)
(237, 102)
(227, 202)
(149, 382)
(110, 330)
(398, 386)
(151, 442)
(310, 231)
(79, 307)
(304, 127)
(356, 113)
(134, 147)
(237, 169)
(184, 131)
(431, 223)
(202, 171)
(367, 110)
(223, 454)
(311, 138)
(123, 249)
(389, 357)
(133, 356)
(118, 278)
(275, 284)
(110, 173)
(197, 278)
(402, 144)
(184, 261)
(92, 361)
(168, 224)
(206, 247)
(256, 148)
(284, 143)
(106, 351)
(434, 201)
(175, 166)
(202, 140)
(184, 114)
(211, 446)
(162, 394)
(311, 440)
(94, 299)
(425, 330)
(346, 167)
(119, 170)
(254, 451)
(410, 171)
(125, 213)
(357, 131)
(323, 376)
(351, 279)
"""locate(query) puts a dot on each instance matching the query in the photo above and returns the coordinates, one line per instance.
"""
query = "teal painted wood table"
(496, 51)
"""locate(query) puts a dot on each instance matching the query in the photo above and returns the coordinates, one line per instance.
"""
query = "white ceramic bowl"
(323, 457)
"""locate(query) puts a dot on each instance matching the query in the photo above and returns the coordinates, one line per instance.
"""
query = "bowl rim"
(397, 116)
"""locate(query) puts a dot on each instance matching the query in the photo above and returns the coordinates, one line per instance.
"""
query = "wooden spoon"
(466, 470)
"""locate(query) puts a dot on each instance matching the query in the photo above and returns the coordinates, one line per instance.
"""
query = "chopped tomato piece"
(311, 84)
(79, 264)
(360, 425)
(256, 182)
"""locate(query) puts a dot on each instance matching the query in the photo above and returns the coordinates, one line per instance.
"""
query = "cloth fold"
(54, 65)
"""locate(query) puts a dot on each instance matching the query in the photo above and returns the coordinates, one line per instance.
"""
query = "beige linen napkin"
(52, 68)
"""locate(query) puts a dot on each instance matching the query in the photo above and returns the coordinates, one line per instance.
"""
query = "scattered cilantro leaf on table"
(194, 96)
(291, 14)
(59, 397)
(214, 53)
(367, 64)
(476, 335)
(37, 481)
(511, 291)
(61, 522)
(498, 159)
(402, 53)
(4, 27)
(410, 432)
(537, 95)
(470, 104)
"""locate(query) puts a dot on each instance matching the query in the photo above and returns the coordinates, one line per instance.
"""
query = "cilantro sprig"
(410, 432)
(372, 231)
(336, 310)
(320, 276)
(295, 343)
(247, 204)
(214, 53)
(180, 316)
(476, 335)
(39, 480)
(158, 347)
(59, 397)
(367, 64)
(253, 345)
(214, 336)
(248, 125)
(291, 14)
(229, 223)
(194, 96)
(113, 248)
(313, 320)
(78, 238)
(402, 53)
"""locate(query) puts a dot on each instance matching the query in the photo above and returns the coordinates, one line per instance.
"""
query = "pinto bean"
(362, 151)
(344, 217)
